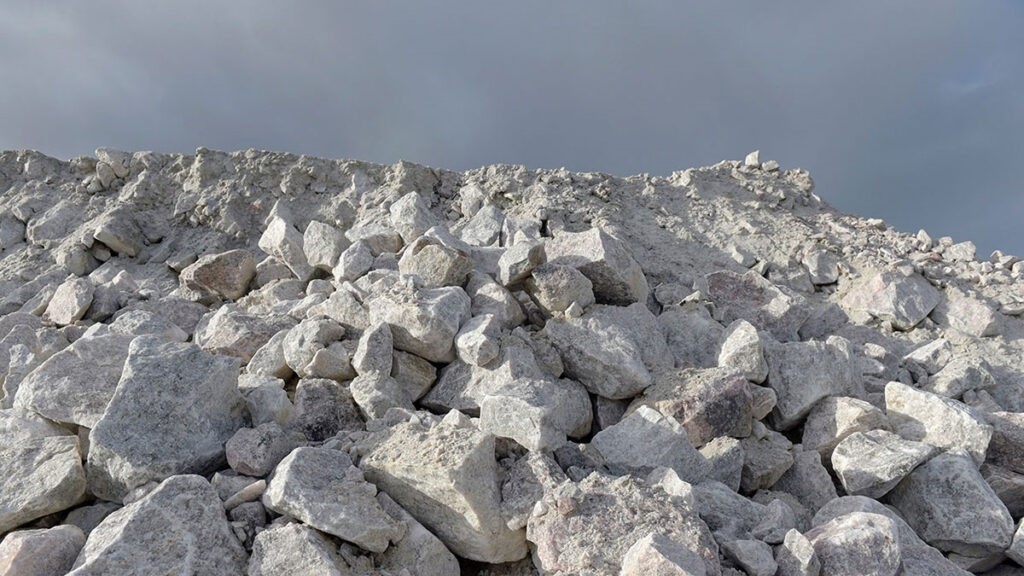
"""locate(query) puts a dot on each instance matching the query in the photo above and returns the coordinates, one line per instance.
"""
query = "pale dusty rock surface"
(502, 371)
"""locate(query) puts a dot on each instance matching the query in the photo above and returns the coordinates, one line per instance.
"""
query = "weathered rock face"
(402, 371)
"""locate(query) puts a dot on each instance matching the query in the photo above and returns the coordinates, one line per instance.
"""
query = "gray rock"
(17, 425)
(951, 507)
(823, 267)
(872, 463)
(611, 349)
(231, 332)
(1008, 486)
(324, 489)
(414, 374)
(283, 241)
(375, 351)
(592, 525)
(692, 335)
(937, 420)
(256, 451)
(423, 321)
(554, 287)
(215, 276)
(804, 373)
(144, 323)
(445, 476)
(796, 556)
(968, 315)
(323, 244)
(754, 556)
(353, 262)
(1016, 549)
(1006, 448)
(741, 348)
(605, 260)
(807, 480)
(69, 302)
(49, 552)
(725, 511)
(295, 549)
(526, 482)
(753, 298)
(39, 476)
(538, 414)
(177, 528)
(645, 440)
(88, 517)
(484, 228)
(931, 356)
(767, 455)
(75, 384)
(958, 376)
(309, 337)
(657, 554)
(708, 403)
(265, 399)
(726, 458)
(376, 393)
(857, 544)
(323, 408)
(835, 418)
(901, 300)
(419, 551)
(174, 408)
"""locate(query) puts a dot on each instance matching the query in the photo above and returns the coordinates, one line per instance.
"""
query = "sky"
(910, 111)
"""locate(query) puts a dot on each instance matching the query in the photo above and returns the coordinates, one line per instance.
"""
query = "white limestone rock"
(754, 556)
(423, 321)
(353, 262)
(741, 348)
(295, 549)
(645, 440)
(446, 476)
(283, 241)
(968, 315)
(489, 297)
(835, 418)
(69, 302)
(308, 337)
(858, 544)
(872, 463)
(375, 393)
(323, 245)
(904, 301)
(230, 331)
(256, 451)
(939, 421)
(419, 551)
(42, 552)
(657, 554)
(477, 340)
(822, 266)
(434, 263)
(538, 414)
(519, 260)
(804, 373)
(616, 277)
(39, 476)
(220, 276)
(796, 557)
(322, 488)
(171, 413)
(753, 298)
(951, 507)
(375, 351)
(178, 527)
(411, 216)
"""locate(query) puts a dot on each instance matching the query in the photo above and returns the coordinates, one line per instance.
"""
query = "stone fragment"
(215, 276)
(951, 507)
(726, 512)
(960, 252)
(178, 528)
(308, 337)
(645, 440)
(538, 414)
(254, 491)
(477, 340)
(1006, 448)
(283, 241)
(796, 556)
(901, 300)
(435, 264)
(17, 425)
(323, 244)
(256, 451)
(295, 549)
(611, 350)
(414, 374)
(807, 480)
(968, 315)
(931, 356)
(353, 262)
(754, 556)
(767, 455)
(39, 476)
(823, 267)
(119, 231)
(804, 373)
(753, 298)
(725, 456)
(835, 418)
(872, 463)
(590, 526)
(46, 552)
(445, 476)
(174, 408)
(422, 321)
(741, 349)
(657, 554)
(692, 335)
(419, 551)
(484, 228)
(941, 422)
(554, 287)
(857, 544)
(708, 403)
(69, 302)
(231, 332)
(411, 216)
(74, 385)
(958, 376)
(489, 297)
(1016, 550)
(1008, 486)
(323, 408)
(144, 323)
(376, 393)
(375, 352)
(616, 277)
(519, 260)
(378, 236)
(324, 489)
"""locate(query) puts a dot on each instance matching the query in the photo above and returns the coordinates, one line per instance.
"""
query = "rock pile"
(267, 364)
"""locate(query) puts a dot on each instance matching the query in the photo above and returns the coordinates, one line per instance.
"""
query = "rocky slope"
(261, 363)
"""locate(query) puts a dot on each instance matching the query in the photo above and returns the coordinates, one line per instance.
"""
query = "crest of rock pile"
(267, 364)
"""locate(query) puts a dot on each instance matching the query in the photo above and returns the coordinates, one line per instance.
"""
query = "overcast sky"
(912, 111)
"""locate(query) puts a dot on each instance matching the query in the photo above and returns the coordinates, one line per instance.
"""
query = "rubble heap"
(267, 364)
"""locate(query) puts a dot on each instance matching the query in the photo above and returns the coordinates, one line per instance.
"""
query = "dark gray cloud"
(911, 111)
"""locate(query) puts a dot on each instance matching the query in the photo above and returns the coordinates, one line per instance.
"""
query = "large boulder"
(804, 373)
(178, 528)
(39, 476)
(902, 300)
(41, 552)
(872, 463)
(616, 277)
(753, 298)
(858, 544)
(174, 408)
(423, 321)
(445, 475)
(937, 420)
(646, 440)
(216, 276)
